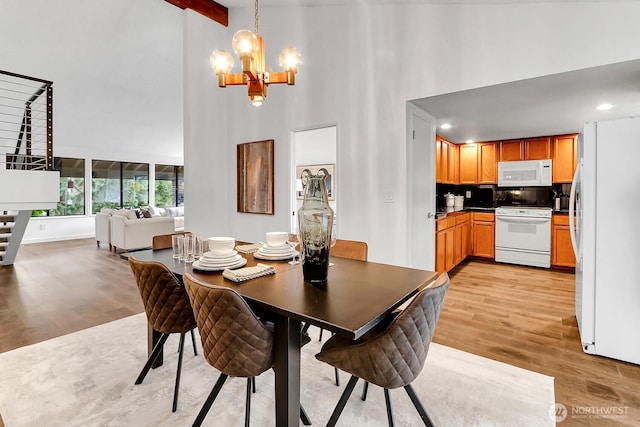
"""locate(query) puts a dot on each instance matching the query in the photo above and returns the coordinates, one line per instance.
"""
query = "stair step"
(5, 236)
(7, 218)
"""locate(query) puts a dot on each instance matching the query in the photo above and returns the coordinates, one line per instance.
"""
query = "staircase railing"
(26, 122)
(26, 144)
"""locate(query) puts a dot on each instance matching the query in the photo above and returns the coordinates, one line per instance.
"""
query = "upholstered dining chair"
(168, 310)
(163, 241)
(351, 249)
(234, 340)
(393, 357)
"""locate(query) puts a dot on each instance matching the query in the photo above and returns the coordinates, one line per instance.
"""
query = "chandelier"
(249, 46)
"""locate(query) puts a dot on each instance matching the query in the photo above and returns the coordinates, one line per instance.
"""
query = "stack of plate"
(213, 262)
(275, 253)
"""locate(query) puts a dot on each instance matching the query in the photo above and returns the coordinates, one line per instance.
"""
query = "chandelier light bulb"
(245, 43)
(221, 61)
(289, 59)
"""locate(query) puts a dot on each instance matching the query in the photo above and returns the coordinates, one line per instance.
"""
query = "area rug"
(87, 379)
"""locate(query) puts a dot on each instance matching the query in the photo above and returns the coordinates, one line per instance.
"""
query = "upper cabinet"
(487, 163)
(525, 149)
(512, 150)
(477, 163)
(468, 164)
(564, 158)
(537, 148)
(446, 161)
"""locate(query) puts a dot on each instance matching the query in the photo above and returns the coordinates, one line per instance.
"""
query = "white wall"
(116, 68)
(360, 66)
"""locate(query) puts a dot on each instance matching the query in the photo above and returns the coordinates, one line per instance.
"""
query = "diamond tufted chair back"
(234, 340)
(168, 310)
(165, 300)
(395, 356)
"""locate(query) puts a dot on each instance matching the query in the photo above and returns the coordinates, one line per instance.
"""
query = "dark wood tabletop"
(358, 295)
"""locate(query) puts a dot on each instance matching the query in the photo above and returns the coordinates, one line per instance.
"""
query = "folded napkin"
(247, 273)
(250, 248)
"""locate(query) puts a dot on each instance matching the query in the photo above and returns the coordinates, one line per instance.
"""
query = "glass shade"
(289, 59)
(221, 61)
(244, 43)
(256, 100)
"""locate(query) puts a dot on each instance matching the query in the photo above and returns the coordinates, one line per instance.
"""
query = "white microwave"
(525, 173)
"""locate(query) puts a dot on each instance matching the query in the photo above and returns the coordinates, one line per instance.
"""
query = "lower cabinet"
(452, 241)
(483, 227)
(562, 254)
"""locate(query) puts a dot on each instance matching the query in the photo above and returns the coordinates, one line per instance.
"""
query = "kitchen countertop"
(443, 212)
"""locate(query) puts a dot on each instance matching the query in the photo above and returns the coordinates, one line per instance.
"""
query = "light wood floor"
(517, 315)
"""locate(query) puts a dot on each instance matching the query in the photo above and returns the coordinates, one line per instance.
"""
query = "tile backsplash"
(492, 196)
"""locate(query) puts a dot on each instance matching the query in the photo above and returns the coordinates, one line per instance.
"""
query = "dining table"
(357, 296)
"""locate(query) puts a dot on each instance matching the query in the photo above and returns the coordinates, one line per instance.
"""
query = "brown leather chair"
(351, 249)
(163, 241)
(393, 357)
(168, 310)
(234, 340)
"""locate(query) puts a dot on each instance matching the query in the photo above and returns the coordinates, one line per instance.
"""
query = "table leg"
(153, 337)
(287, 370)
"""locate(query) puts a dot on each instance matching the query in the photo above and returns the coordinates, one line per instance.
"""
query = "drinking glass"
(176, 245)
(198, 248)
(293, 242)
(189, 248)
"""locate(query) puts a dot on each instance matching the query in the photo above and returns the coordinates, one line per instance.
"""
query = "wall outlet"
(468, 194)
(43, 226)
(389, 197)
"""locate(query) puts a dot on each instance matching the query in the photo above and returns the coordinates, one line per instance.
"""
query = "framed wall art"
(255, 177)
(328, 169)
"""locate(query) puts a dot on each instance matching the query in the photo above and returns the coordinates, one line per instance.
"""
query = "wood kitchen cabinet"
(446, 161)
(483, 227)
(562, 254)
(452, 241)
(564, 159)
(461, 236)
(468, 164)
(537, 148)
(512, 150)
(487, 163)
(445, 241)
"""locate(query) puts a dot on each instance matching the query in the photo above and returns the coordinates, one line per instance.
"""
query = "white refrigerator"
(605, 197)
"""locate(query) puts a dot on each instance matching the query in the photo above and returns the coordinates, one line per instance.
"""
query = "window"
(119, 184)
(135, 184)
(71, 186)
(71, 200)
(169, 185)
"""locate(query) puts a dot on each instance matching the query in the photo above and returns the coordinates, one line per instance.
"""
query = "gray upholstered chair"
(234, 340)
(168, 310)
(350, 249)
(393, 357)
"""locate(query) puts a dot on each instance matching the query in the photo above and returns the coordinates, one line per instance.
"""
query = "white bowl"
(277, 238)
(221, 245)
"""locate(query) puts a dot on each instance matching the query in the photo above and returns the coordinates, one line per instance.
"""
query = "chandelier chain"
(256, 17)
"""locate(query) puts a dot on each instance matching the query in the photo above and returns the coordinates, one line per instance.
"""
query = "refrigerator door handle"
(577, 177)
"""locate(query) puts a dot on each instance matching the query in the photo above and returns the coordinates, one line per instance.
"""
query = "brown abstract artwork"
(255, 177)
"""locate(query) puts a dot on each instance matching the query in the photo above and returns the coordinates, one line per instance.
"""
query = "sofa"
(125, 229)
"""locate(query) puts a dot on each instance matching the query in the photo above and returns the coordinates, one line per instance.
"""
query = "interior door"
(421, 188)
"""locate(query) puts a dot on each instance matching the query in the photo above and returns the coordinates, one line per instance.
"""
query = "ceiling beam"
(208, 8)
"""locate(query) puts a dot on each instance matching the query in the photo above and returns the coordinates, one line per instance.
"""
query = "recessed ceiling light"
(603, 107)
(469, 141)
(445, 126)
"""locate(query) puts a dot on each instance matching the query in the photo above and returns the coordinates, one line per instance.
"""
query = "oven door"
(523, 233)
